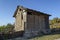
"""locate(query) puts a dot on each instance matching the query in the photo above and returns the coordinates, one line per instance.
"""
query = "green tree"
(55, 22)
(7, 28)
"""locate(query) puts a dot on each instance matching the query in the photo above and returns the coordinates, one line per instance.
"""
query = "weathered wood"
(30, 22)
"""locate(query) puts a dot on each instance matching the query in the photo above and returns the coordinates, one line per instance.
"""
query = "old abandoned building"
(30, 21)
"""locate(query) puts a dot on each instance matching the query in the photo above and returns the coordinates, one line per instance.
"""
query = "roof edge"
(29, 10)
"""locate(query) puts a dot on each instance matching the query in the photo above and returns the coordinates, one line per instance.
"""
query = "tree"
(7, 28)
(55, 22)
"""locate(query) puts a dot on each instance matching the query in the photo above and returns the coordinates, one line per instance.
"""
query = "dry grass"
(47, 37)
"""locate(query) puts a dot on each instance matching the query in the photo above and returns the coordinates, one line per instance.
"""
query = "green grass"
(47, 37)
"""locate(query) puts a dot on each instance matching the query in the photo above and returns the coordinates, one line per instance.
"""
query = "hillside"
(54, 23)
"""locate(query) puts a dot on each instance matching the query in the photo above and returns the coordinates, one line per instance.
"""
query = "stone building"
(31, 22)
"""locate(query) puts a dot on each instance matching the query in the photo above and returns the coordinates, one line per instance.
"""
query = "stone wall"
(19, 20)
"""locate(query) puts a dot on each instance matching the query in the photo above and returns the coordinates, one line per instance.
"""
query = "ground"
(47, 37)
(44, 37)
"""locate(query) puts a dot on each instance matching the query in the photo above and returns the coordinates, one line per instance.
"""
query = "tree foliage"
(6, 28)
(55, 22)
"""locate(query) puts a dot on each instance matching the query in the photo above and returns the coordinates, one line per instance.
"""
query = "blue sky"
(7, 8)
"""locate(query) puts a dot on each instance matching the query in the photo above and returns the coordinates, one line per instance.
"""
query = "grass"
(47, 37)
(44, 37)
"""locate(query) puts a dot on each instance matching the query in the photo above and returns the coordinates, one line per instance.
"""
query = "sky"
(8, 7)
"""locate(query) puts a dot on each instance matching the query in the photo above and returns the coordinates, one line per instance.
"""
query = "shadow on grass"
(53, 32)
